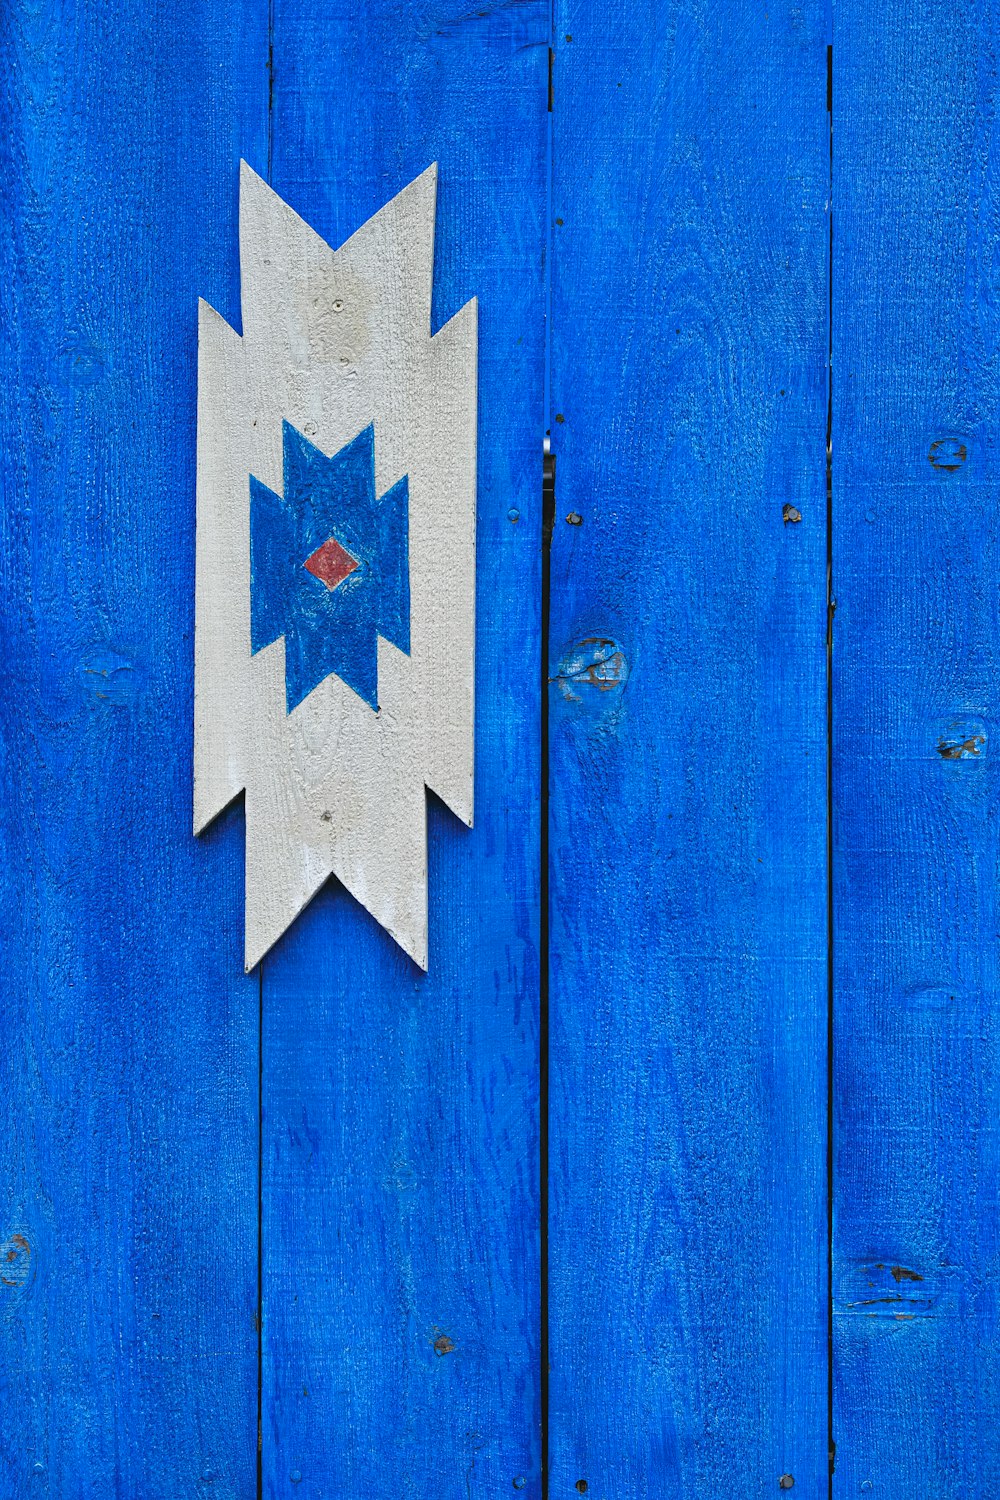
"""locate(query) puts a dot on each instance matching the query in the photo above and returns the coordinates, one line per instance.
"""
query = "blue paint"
(401, 1114)
(688, 756)
(686, 670)
(128, 1033)
(329, 630)
(916, 779)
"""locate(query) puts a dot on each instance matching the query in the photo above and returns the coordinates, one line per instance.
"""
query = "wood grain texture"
(400, 1186)
(335, 342)
(688, 1000)
(127, 1031)
(917, 1016)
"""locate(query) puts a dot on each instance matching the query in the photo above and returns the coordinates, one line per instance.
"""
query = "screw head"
(785, 1482)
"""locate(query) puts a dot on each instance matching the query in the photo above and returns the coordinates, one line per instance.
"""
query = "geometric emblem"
(335, 579)
(329, 566)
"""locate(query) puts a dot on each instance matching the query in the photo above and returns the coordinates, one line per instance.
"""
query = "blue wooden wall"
(916, 794)
(401, 1278)
(688, 777)
(561, 1216)
(128, 1034)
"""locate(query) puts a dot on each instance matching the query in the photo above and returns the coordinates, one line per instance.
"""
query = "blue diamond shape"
(329, 630)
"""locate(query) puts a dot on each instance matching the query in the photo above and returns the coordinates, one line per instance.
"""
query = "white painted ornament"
(336, 685)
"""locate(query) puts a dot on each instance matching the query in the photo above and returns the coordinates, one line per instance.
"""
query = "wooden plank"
(688, 992)
(400, 1183)
(128, 1060)
(917, 1089)
(336, 407)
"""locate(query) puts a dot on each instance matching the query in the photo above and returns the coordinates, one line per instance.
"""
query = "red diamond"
(331, 563)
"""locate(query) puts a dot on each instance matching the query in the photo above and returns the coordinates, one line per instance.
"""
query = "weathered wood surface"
(400, 1181)
(399, 1184)
(916, 674)
(336, 710)
(128, 1044)
(688, 999)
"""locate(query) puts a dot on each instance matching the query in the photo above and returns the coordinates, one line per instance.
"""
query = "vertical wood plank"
(917, 1146)
(127, 1030)
(400, 1183)
(688, 797)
